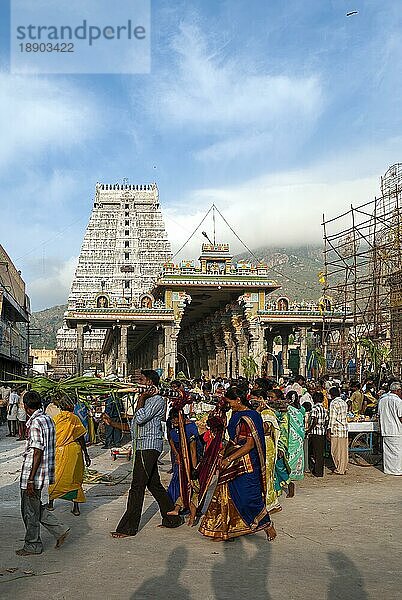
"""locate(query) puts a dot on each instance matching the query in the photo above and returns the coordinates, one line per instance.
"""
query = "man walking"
(390, 413)
(38, 470)
(338, 431)
(12, 413)
(317, 429)
(148, 435)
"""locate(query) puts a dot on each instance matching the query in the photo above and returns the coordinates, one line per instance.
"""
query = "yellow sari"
(271, 450)
(69, 468)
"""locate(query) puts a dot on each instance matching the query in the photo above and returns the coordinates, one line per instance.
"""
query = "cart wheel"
(361, 454)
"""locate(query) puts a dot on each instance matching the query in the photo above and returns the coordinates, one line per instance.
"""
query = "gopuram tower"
(124, 249)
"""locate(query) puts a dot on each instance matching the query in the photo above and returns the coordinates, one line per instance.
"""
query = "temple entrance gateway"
(215, 307)
(130, 306)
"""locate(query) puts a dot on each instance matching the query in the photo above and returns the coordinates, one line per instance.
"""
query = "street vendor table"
(361, 442)
(362, 426)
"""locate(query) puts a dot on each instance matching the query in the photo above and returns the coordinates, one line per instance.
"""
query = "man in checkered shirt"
(338, 431)
(38, 470)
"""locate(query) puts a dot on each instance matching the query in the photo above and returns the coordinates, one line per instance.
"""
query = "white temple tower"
(124, 249)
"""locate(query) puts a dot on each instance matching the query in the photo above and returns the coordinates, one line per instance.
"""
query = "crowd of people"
(236, 447)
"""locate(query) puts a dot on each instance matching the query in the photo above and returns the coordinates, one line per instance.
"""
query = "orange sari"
(69, 468)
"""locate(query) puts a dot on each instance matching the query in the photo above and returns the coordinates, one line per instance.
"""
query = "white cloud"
(54, 286)
(227, 100)
(39, 114)
(283, 209)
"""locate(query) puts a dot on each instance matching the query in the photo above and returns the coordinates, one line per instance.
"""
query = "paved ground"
(339, 538)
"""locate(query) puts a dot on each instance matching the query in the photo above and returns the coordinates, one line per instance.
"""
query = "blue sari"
(81, 411)
(238, 504)
(174, 489)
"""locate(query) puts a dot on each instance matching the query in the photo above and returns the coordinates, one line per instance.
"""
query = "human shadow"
(148, 514)
(166, 585)
(346, 581)
(243, 571)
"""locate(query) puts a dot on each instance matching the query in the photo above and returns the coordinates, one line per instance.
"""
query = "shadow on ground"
(346, 581)
(230, 578)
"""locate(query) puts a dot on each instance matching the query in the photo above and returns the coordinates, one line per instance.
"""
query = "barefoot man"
(38, 470)
(147, 431)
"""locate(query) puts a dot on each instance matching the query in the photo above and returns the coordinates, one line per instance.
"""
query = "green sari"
(282, 469)
(296, 442)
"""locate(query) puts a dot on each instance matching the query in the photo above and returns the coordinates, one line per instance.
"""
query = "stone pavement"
(339, 538)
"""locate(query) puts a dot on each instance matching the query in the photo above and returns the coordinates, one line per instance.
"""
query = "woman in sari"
(70, 452)
(181, 487)
(83, 413)
(272, 432)
(238, 506)
(279, 406)
(296, 445)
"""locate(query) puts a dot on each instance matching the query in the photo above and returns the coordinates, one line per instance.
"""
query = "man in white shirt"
(390, 413)
(298, 385)
(12, 410)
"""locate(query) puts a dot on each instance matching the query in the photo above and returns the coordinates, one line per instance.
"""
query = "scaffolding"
(363, 276)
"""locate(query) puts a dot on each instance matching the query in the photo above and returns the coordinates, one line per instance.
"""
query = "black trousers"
(146, 475)
(316, 454)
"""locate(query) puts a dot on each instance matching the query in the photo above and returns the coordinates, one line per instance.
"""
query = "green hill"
(47, 321)
(295, 269)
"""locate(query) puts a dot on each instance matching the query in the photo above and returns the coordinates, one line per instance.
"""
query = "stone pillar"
(230, 353)
(257, 336)
(160, 342)
(211, 354)
(241, 343)
(303, 351)
(202, 348)
(219, 352)
(80, 349)
(122, 362)
(169, 361)
(270, 355)
(285, 351)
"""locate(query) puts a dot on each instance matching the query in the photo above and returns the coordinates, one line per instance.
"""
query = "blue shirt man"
(146, 425)
(147, 430)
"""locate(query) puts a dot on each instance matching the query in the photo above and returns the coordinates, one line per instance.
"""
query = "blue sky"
(277, 111)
